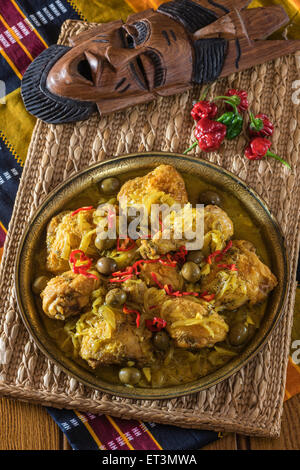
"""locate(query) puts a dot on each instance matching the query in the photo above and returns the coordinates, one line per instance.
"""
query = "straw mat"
(250, 402)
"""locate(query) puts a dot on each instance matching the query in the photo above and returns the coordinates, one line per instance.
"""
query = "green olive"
(129, 375)
(238, 334)
(210, 197)
(191, 272)
(104, 244)
(39, 284)
(195, 256)
(161, 340)
(251, 332)
(116, 297)
(110, 185)
(106, 265)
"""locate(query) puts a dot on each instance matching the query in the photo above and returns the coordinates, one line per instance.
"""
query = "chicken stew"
(149, 312)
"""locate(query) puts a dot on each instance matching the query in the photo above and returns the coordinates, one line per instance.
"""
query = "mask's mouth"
(43, 104)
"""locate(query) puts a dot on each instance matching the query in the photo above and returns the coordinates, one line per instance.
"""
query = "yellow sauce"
(177, 366)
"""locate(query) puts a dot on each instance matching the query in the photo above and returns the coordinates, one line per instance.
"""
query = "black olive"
(106, 266)
(130, 375)
(110, 185)
(191, 272)
(161, 341)
(115, 297)
(210, 197)
(196, 256)
(238, 334)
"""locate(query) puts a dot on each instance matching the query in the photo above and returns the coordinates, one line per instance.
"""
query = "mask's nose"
(119, 57)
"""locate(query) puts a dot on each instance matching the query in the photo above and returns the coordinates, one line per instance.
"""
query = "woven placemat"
(251, 401)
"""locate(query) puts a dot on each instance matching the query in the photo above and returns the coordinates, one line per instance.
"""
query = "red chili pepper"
(170, 264)
(227, 247)
(154, 277)
(207, 297)
(140, 262)
(123, 279)
(83, 268)
(127, 310)
(133, 270)
(180, 255)
(243, 105)
(260, 126)
(122, 245)
(194, 294)
(232, 267)
(156, 324)
(259, 148)
(90, 275)
(82, 258)
(168, 260)
(218, 255)
(129, 270)
(89, 208)
(123, 275)
(169, 291)
(210, 134)
(204, 109)
(212, 256)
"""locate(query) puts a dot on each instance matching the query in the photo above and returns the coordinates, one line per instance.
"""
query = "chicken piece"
(165, 275)
(193, 325)
(178, 227)
(64, 234)
(67, 294)
(163, 179)
(135, 290)
(215, 221)
(116, 342)
(251, 283)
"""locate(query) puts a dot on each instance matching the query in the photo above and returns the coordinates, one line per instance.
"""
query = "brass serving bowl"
(213, 174)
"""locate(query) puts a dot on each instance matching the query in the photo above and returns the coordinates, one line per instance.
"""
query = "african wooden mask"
(155, 53)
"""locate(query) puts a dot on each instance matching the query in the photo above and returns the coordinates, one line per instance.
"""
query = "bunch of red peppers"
(211, 131)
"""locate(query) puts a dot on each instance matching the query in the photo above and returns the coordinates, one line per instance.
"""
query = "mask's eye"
(135, 34)
(142, 29)
(84, 70)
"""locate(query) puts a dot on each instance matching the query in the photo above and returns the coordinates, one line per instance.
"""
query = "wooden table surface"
(29, 427)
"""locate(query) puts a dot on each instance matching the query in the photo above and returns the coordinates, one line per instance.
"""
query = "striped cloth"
(27, 27)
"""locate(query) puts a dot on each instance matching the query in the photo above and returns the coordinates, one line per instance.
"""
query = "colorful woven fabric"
(26, 28)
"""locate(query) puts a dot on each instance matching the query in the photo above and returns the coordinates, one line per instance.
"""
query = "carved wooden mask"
(116, 65)
(155, 53)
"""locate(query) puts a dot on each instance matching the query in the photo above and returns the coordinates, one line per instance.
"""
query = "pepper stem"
(233, 105)
(204, 94)
(255, 123)
(233, 100)
(190, 148)
(273, 155)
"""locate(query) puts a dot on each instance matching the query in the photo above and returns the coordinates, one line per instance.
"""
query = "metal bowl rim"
(167, 392)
